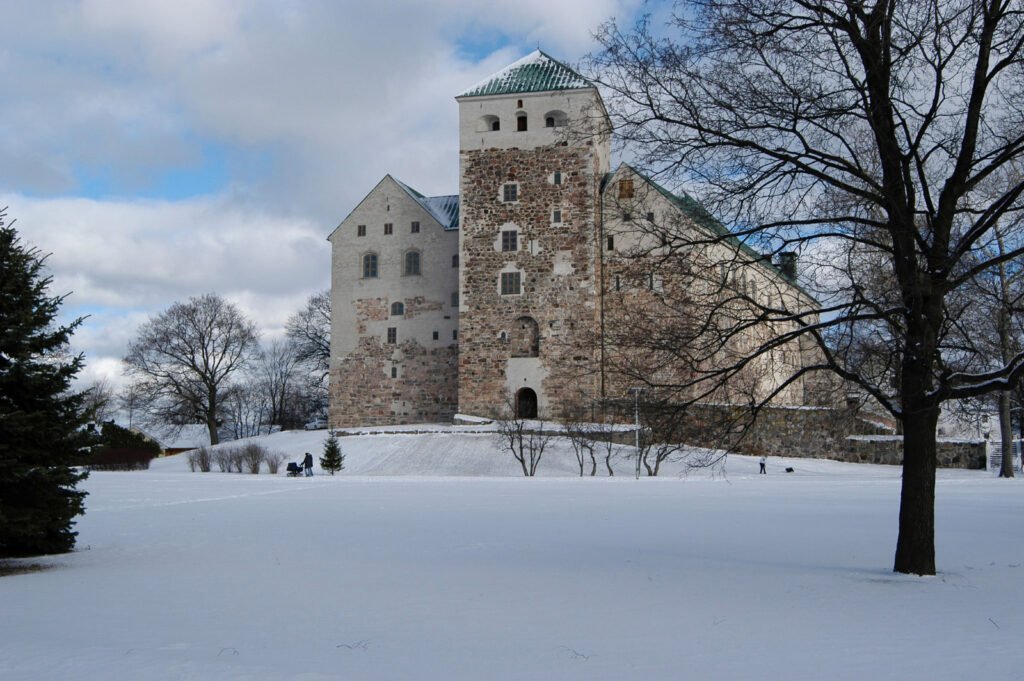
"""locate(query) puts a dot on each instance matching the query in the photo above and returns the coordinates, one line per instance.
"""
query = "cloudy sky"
(161, 150)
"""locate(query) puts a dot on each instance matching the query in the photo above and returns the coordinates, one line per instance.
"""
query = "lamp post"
(636, 392)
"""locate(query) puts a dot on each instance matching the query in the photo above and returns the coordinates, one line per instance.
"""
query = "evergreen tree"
(332, 460)
(40, 419)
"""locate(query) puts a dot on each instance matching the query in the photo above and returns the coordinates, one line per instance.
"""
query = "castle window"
(436, 335)
(370, 266)
(627, 217)
(519, 104)
(510, 284)
(360, 230)
(555, 119)
(412, 263)
(455, 334)
(488, 124)
(394, 372)
(611, 243)
(392, 335)
(388, 227)
(510, 240)
(617, 283)
(510, 192)
(397, 309)
(415, 227)
(557, 178)
(650, 217)
(556, 215)
(625, 189)
(455, 298)
(521, 123)
(455, 260)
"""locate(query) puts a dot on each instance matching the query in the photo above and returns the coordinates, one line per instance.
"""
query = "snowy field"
(383, 573)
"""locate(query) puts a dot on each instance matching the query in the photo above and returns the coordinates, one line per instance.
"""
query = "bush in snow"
(252, 456)
(199, 458)
(222, 457)
(273, 460)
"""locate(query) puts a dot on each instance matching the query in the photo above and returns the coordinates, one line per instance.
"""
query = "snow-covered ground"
(474, 572)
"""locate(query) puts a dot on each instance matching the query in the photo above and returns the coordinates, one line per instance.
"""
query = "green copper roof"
(536, 72)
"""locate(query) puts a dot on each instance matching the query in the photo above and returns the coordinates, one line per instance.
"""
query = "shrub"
(235, 459)
(273, 460)
(119, 459)
(222, 457)
(199, 458)
(252, 456)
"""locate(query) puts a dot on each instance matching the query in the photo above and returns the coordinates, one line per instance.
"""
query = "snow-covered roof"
(445, 209)
(536, 72)
(190, 436)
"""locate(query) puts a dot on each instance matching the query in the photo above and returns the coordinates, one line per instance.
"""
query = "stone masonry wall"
(841, 434)
(556, 262)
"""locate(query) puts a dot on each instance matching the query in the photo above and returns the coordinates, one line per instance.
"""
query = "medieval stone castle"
(498, 298)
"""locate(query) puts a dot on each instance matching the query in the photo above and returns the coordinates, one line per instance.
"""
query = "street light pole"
(636, 416)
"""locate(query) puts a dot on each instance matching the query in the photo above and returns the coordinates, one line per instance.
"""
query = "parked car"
(319, 423)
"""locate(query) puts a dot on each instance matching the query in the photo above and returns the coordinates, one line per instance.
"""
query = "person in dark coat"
(762, 462)
(307, 463)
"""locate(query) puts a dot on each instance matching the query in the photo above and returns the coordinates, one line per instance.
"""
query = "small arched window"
(521, 122)
(488, 124)
(397, 309)
(370, 266)
(555, 119)
(412, 263)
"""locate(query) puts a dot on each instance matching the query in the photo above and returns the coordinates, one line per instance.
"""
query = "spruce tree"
(40, 419)
(332, 460)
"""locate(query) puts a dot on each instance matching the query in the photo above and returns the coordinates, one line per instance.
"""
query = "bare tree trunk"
(915, 547)
(1006, 435)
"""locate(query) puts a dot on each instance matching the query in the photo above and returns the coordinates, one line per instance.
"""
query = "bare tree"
(131, 399)
(309, 330)
(524, 440)
(279, 375)
(186, 357)
(99, 400)
(853, 133)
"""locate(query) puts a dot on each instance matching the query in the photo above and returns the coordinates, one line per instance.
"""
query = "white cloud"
(308, 104)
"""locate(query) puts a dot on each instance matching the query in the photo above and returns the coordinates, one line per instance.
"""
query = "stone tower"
(534, 144)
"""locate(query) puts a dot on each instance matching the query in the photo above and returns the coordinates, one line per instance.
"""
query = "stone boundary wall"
(841, 434)
(889, 450)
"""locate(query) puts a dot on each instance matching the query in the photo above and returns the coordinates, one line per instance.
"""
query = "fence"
(994, 455)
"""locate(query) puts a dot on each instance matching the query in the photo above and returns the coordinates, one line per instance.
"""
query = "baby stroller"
(294, 469)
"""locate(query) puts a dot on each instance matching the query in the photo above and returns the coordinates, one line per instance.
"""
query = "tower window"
(611, 243)
(455, 299)
(558, 177)
(549, 122)
(392, 335)
(388, 227)
(510, 283)
(510, 193)
(412, 263)
(556, 215)
(495, 125)
(455, 260)
(625, 189)
(521, 123)
(455, 334)
(509, 240)
(360, 230)
(394, 372)
(415, 227)
(397, 309)
(370, 266)
(627, 217)
(436, 335)
(519, 104)
(650, 217)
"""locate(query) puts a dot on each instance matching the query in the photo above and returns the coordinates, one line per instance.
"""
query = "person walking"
(307, 463)
(762, 461)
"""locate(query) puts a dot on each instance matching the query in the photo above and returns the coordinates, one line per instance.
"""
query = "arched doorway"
(526, 403)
